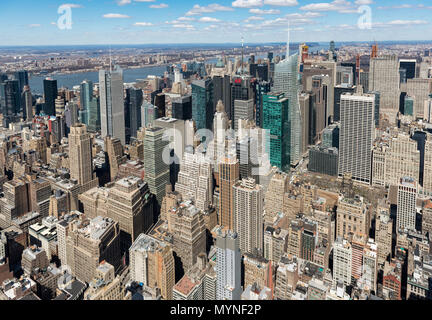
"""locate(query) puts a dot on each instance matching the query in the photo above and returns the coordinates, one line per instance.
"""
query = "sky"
(45, 22)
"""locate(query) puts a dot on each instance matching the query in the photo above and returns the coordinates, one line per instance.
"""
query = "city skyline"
(223, 21)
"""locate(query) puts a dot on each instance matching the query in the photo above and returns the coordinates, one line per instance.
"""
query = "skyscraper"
(276, 119)
(22, 77)
(27, 100)
(80, 154)
(248, 215)
(50, 94)
(286, 80)
(406, 204)
(222, 91)
(112, 104)
(243, 110)
(202, 103)
(228, 175)
(157, 170)
(356, 136)
(241, 89)
(228, 266)
(384, 77)
(134, 101)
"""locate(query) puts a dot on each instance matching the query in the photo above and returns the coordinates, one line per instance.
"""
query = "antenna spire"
(288, 41)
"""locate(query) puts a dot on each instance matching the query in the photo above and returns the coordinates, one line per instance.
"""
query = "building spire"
(288, 41)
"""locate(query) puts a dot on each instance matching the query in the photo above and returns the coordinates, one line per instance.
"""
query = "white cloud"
(283, 3)
(247, 3)
(336, 5)
(261, 11)
(363, 2)
(115, 16)
(199, 10)
(159, 6)
(208, 19)
(143, 24)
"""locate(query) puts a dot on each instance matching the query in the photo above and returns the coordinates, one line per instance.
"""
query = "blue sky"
(30, 22)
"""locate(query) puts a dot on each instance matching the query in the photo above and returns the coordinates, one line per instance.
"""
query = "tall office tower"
(276, 119)
(59, 106)
(241, 89)
(320, 116)
(410, 66)
(228, 176)
(23, 80)
(90, 242)
(182, 107)
(356, 136)
(427, 170)
(353, 216)
(134, 100)
(383, 234)
(50, 94)
(152, 263)
(420, 89)
(330, 137)
(116, 157)
(131, 204)
(261, 89)
(159, 101)
(274, 197)
(402, 159)
(112, 104)
(243, 110)
(406, 204)
(286, 80)
(345, 76)
(342, 261)
(338, 92)
(80, 154)
(27, 100)
(384, 77)
(202, 103)
(156, 168)
(10, 101)
(189, 233)
(222, 91)
(195, 180)
(248, 215)
(364, 80)
(217, 148)
(71, 113)
(228, 266)
(149, 113)
(305, 110)
(370, 266)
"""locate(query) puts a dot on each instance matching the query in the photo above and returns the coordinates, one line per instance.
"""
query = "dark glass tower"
(50, 93)
(202, 103)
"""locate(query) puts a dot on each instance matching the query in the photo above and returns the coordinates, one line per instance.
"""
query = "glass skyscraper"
(202, 103)
(276, 120)
(50, 93)
(286, 80)
(112, 104)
